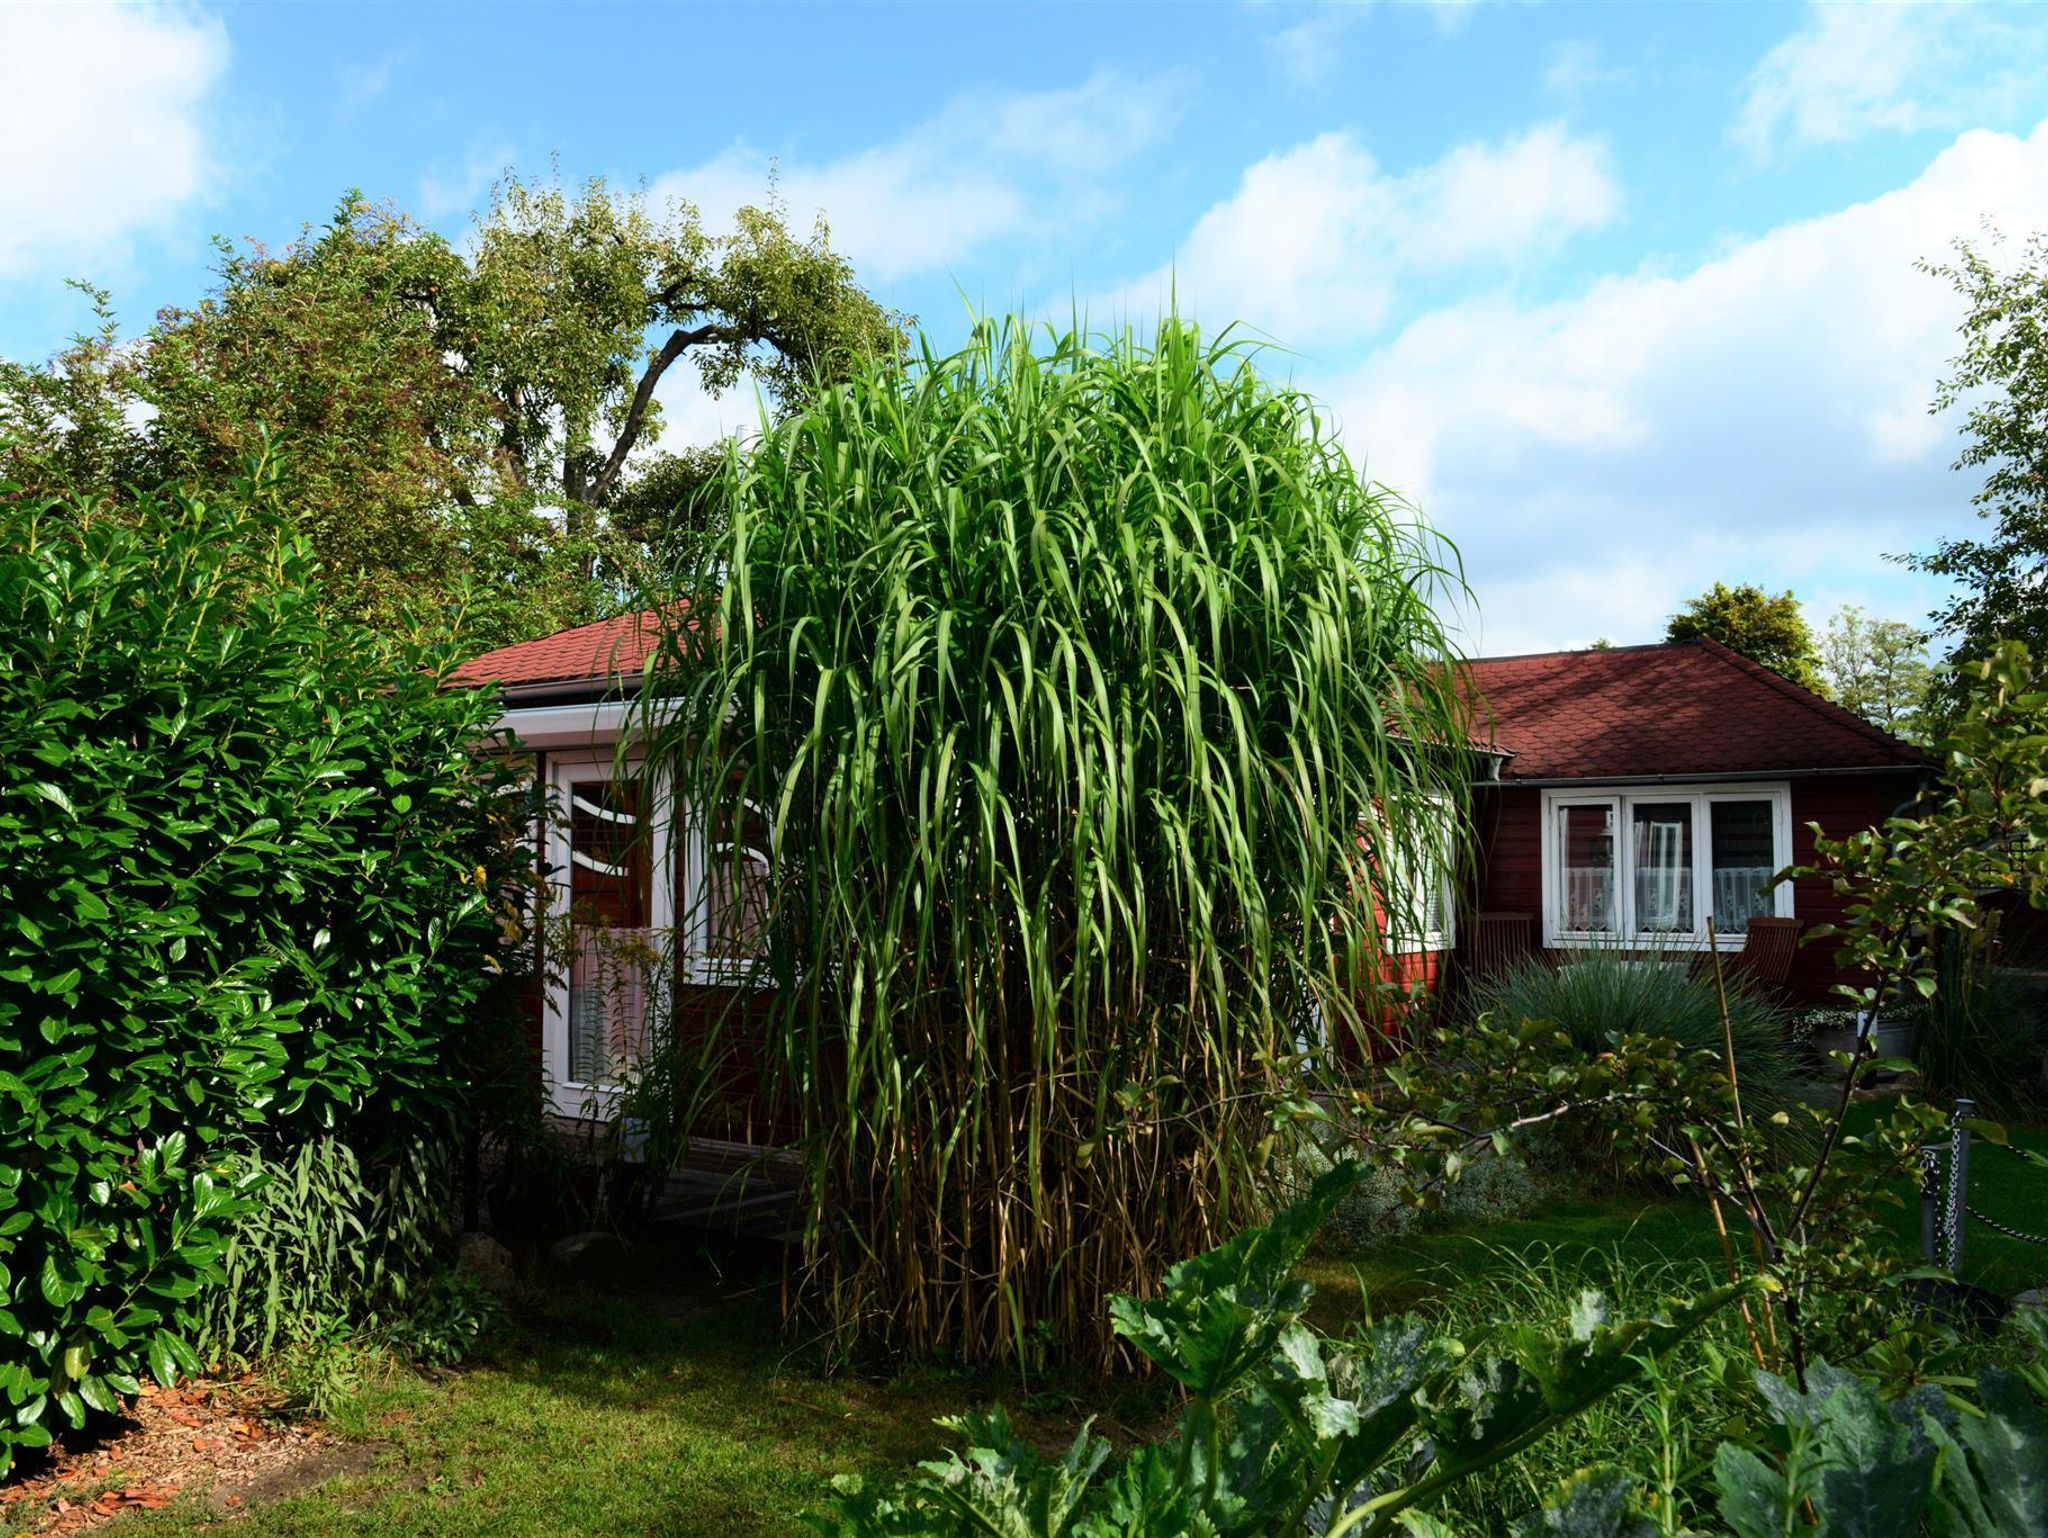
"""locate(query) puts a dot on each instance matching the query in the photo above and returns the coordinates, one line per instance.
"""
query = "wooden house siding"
(1507, 874)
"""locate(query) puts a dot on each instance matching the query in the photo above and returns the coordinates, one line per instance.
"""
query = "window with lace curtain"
(1644, 868)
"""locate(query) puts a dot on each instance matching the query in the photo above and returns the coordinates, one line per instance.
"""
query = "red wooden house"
(1630, 794)
(1642, 789)
(642, 881)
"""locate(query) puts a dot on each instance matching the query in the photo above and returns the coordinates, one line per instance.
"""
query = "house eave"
(1724, 776)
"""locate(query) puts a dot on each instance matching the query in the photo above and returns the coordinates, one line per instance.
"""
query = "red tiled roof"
(610, 651)
(1690, 708)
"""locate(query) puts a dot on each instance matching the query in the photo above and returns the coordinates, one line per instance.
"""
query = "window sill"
(1644, 945)
(737, 978)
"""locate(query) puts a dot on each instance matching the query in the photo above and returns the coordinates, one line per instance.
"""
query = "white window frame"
(700, 966)
(1621, 799)
(1428, 940)
(572, 1097)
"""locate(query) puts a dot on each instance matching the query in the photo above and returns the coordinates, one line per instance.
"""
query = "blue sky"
(1621, 296)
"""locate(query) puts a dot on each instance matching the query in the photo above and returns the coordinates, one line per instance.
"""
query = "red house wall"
(1509, 868)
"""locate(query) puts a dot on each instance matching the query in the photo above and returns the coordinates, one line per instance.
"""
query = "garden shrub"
(1979, 1033)
(1287, 1429)
(249, 867)
(1600, 996)
(1382, 1208)
(322, 1237)
(1522, 1407)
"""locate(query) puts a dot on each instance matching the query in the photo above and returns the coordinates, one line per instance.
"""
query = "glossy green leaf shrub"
(248, 864)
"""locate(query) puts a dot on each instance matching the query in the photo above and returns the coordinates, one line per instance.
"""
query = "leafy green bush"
(1599, 996)
(324, 1366)
(446, 1322)
(321, 1238)
(1383, 1209)
(1661, 1427)
(1979, 1033)
(1486, 1420)
(248, 861)
(1837, 1460)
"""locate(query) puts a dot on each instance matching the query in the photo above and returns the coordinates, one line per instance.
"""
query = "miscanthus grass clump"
(1077, 692)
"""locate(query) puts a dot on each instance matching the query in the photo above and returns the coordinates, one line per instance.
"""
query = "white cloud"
(101, 124)
(1316, 242)
(1852, 70)
(1308, 51)
(1312, 52)
(451, 189)
(982, 170)
(362, 84)
(1760, 416)
(1576, 69)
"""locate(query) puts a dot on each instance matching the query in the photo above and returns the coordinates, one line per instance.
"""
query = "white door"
(613, 878)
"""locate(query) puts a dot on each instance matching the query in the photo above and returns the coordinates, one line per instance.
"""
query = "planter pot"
(1895, 1038)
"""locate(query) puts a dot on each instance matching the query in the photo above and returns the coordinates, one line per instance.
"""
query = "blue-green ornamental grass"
(248, 861)
(1597, 996)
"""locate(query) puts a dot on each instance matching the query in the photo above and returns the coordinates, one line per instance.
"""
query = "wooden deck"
(732, 1188)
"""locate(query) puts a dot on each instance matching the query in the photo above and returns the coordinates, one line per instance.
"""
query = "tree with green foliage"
(334, 349)
(1066, 674)
(251, 878)
(2000, 377)
(457, 426)
(1767, 628)
(1877, 668)
(67, 423)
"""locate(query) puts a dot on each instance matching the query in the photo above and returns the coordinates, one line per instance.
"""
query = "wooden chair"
(1499, 941)
(1766, 954)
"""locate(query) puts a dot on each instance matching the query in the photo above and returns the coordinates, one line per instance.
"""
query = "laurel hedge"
(249, 866)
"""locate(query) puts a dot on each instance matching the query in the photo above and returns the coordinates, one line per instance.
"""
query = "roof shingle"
(1686, 708)
(609, 652)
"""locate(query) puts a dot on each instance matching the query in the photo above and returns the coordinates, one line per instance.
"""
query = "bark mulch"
(224, 1438)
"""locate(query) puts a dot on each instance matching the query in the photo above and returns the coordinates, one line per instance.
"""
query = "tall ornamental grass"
(1075, 680)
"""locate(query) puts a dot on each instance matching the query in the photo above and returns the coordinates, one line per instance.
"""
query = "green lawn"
(2016, 1194)
(633, 1412)
(619, 1413)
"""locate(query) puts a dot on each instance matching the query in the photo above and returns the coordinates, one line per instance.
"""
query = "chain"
(2010, 1233)
(1951, 1194)
(1992, 1223)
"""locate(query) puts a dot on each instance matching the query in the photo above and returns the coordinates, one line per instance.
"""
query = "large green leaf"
(1594, 1503)
(1219, 1314)
(1875, 1462)
(1758, 1498)
(1994, 1479)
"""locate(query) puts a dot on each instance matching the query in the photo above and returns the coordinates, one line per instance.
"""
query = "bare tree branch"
(678, 343)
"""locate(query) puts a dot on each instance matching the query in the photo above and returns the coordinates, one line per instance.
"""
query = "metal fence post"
(1958, 1183)
(1930, 1201)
